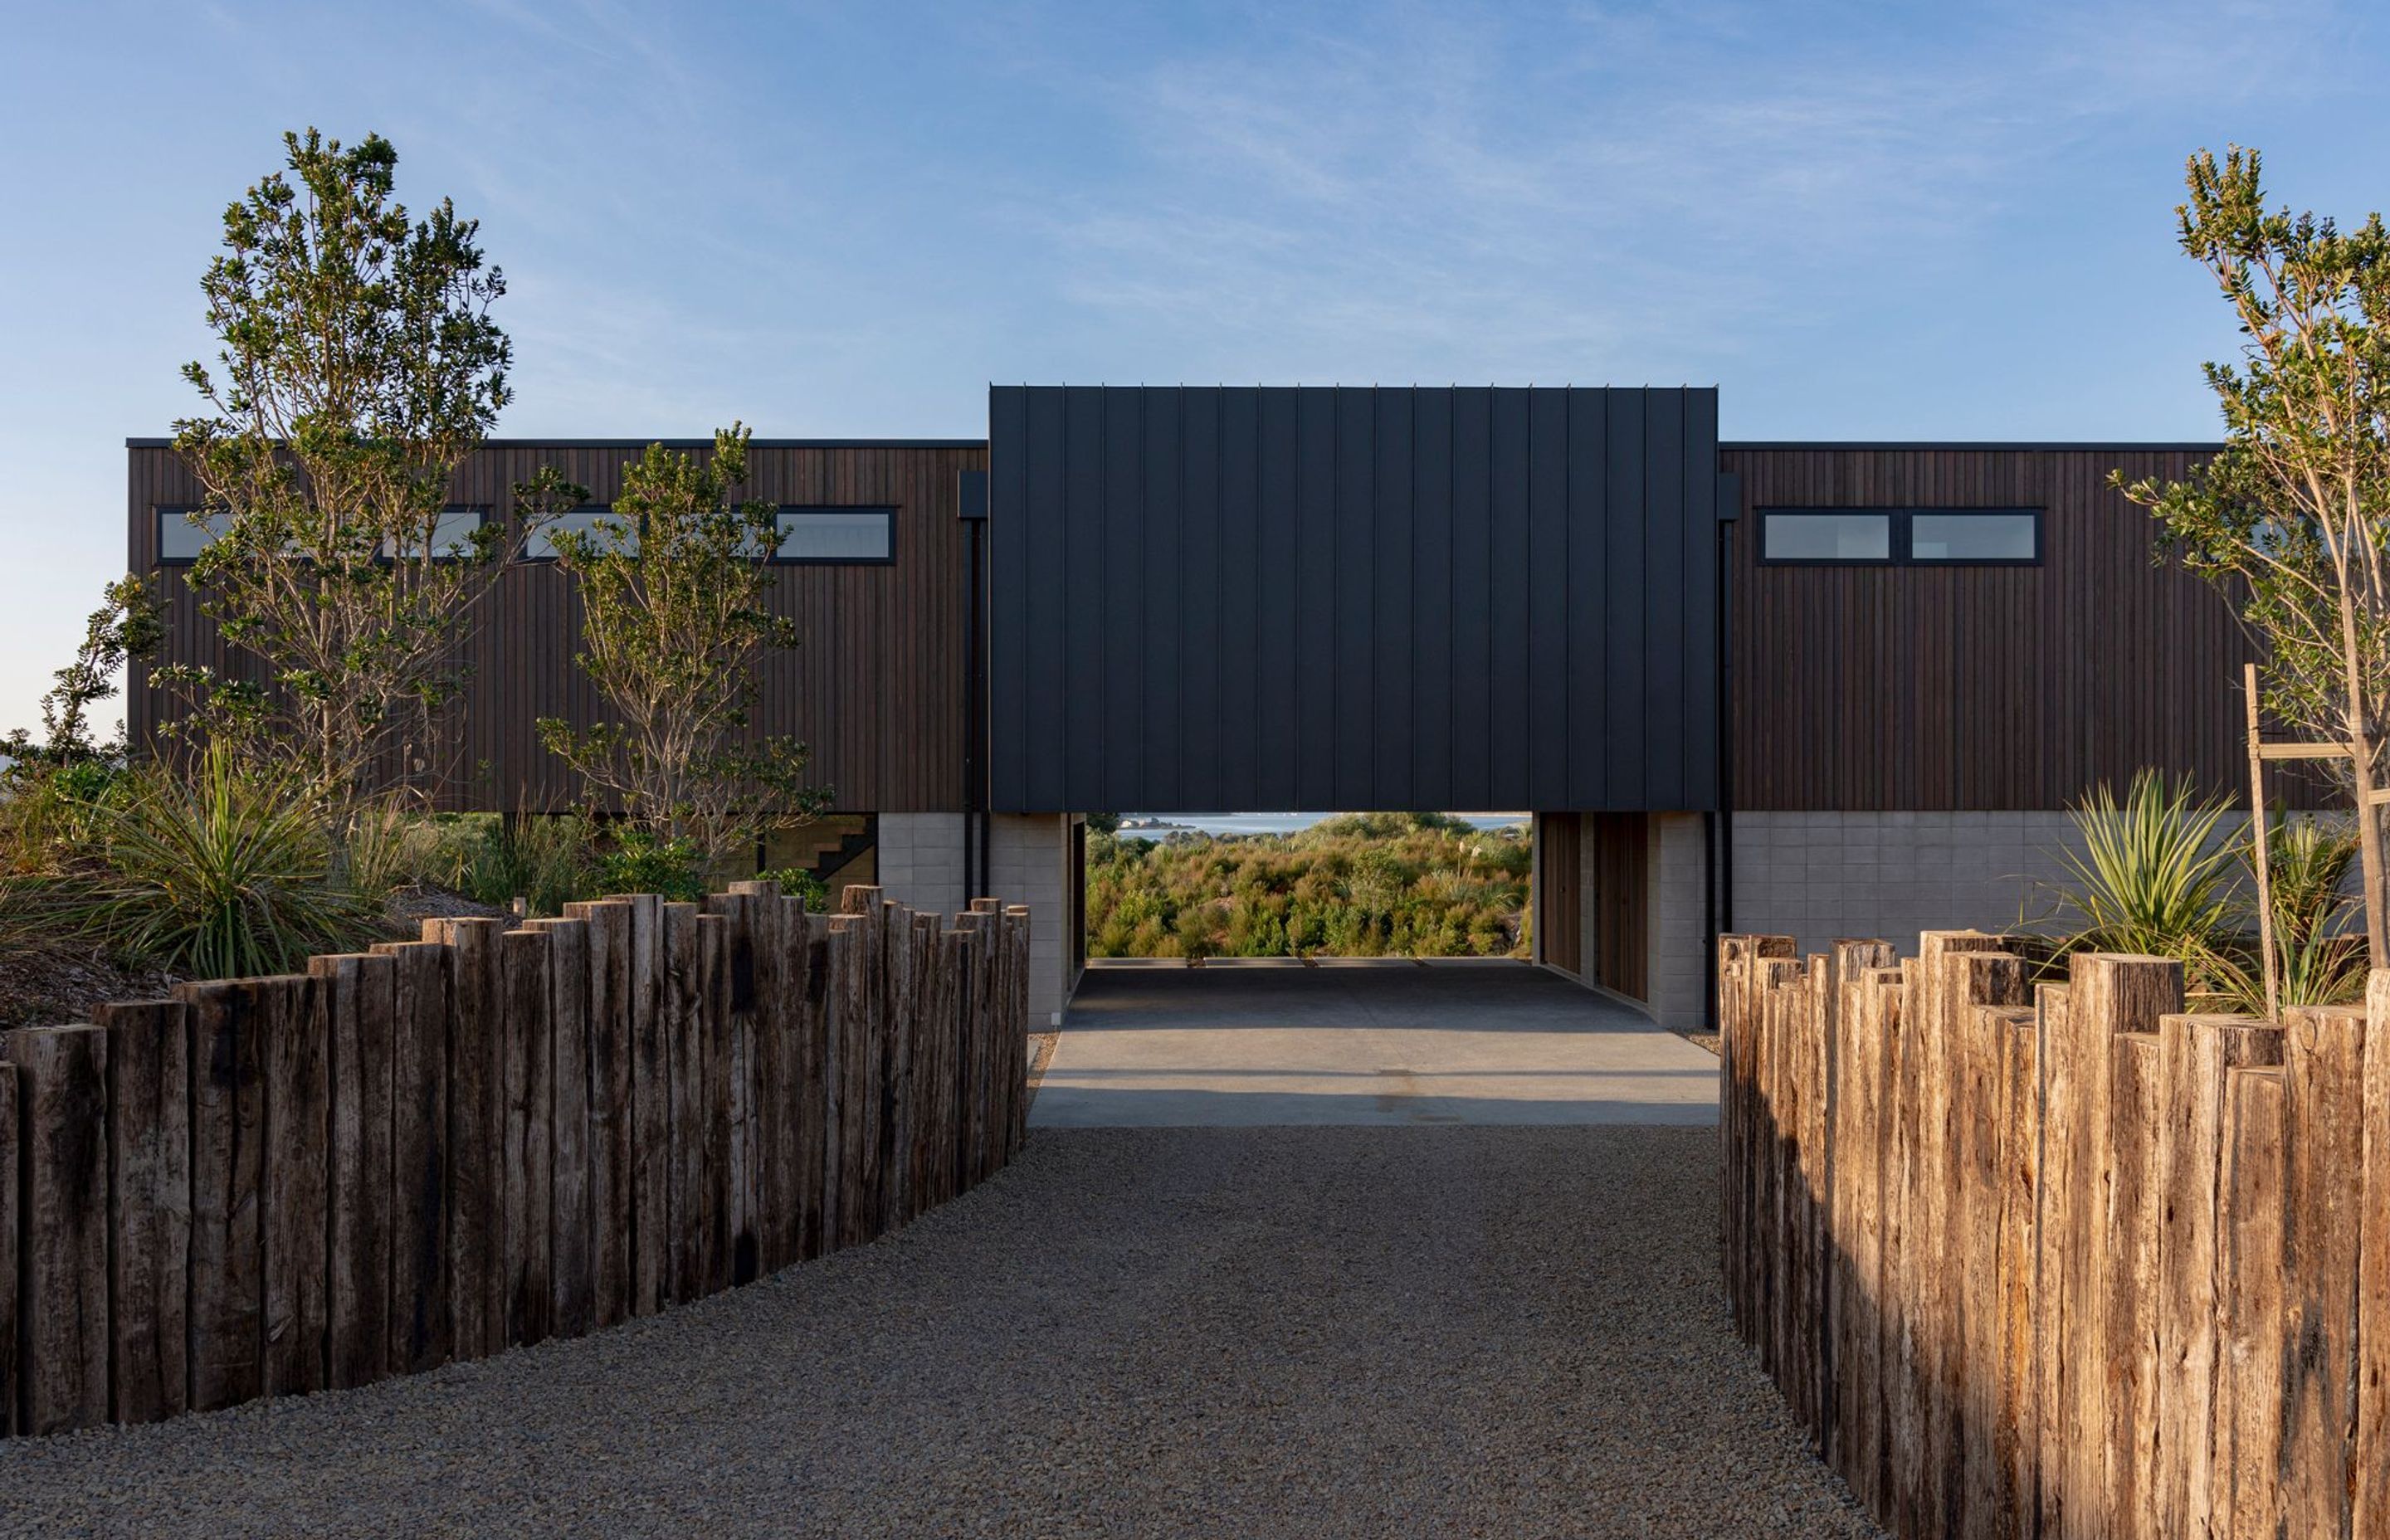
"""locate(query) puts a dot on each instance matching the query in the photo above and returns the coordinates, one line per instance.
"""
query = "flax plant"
(2153, 877)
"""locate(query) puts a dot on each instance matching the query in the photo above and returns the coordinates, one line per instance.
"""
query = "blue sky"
(1858, 220)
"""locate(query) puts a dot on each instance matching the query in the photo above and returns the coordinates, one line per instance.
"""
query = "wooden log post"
(868, 1045)
(927, 1061)
(2130, 1333)
(62, 1255)
(1806, 1332)
(2196, 1055)
(226, 1314)
(361, 1000)
(421, 1326)
(149, 1183)
(573, 1277)
(2323, 1149)
(526, 1173)
(1017, 1074)
(11, 1391)
(2371, 1502)
(1866, 1154)
(610, 1111)
(476, 1134)
(1854, 1088)
(1765, 1139)
(737, 914)
(295, 1030)
(2107, 994)
(715, 1106)
(1964, 1298)
(841, 1123)
(817, 1082)
(1738, 960)
(773, 1039)
(897, 1076)
(651, 1117)
(940, 1140)
(1958, 971)
(2015, 1172)
(683, 1004)
(2243, 1475)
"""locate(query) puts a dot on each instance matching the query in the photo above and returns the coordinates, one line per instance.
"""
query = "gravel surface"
(1310, 1332)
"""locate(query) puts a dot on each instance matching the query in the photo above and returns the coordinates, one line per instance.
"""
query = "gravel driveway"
(1307, 1331)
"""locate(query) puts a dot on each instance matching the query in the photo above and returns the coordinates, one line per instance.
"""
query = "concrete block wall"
(1030, 862)
(1820, 877)
(922, 860)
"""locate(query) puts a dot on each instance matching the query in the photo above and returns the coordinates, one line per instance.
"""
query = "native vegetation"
(2291, 518)
(2162, 873)
(1364, 885)
(285, 808)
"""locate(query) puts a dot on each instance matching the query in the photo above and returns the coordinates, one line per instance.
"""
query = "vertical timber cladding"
(876, 685)
(1355, 598)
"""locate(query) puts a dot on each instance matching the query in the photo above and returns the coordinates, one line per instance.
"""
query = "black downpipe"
(1722, 910)
(974, 728)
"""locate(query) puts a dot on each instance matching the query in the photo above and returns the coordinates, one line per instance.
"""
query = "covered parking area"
(1363, 1042)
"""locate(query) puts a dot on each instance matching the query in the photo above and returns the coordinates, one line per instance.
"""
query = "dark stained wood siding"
(877, 687)
(1977, 687)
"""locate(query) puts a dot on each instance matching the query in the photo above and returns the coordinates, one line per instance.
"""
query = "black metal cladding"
(1353, 598)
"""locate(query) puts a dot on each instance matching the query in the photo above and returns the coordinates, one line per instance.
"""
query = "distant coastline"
(1157, 826)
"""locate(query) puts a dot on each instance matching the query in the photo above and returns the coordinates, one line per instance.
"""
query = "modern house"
(1822, 689)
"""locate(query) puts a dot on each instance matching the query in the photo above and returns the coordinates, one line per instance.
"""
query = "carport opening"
(1196, 887)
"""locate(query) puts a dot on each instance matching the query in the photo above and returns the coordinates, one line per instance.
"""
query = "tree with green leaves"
(2291, 517)
(357, 365)
(673, 585)
(126, 626)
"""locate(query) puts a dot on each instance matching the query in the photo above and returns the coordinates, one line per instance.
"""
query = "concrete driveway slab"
(1364, 1043)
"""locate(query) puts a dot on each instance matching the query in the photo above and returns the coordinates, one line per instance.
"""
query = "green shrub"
(545, 859)
(2153, 877)
(640, 862)
(222, 872)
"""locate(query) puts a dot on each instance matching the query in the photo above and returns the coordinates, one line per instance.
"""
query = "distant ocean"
(1269, 823)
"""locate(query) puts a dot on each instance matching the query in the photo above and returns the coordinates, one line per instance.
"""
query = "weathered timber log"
(360, 993)
(476, 1134)
(2107, 994)
(293, 1019)
(10, 1389)
(2369, 1507)
(715, 1065)
(683, 1003)
(2323, 1150)
(2244, 1479)
(736, 911)
(525, 1171)
(610, 1111)
(420, 1323)
(651, 1114)
(2196, 1055)
(62, 1252)
(149, 1187)
(572, 1246)
(817, 1134)
(774, 1044)
(225, 1319)
(2130, 1333)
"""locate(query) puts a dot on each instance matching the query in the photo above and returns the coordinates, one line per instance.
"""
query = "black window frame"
(1900, 551)
(886, 510)
(159, 513)
(603, 510)
(482, 513)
